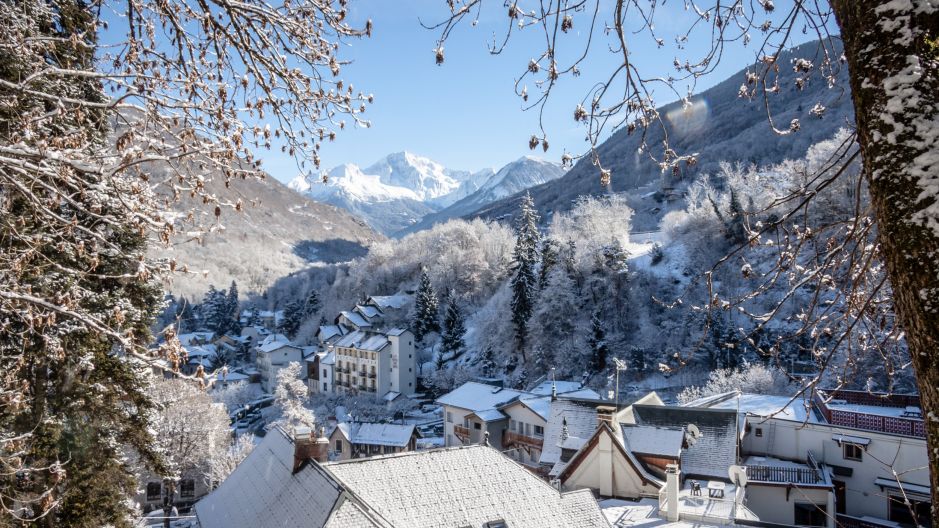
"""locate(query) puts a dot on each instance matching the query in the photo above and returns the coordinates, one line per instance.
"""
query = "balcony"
(511, 439)
(463, 433)
(372, 375)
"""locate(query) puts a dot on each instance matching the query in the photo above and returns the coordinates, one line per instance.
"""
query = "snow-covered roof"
(355, 319)
(361, 340)
(476, 397)
(396, 435)
(190, 337)
(714, 451)
(329, 358)
(367, 311)
(544, 388)
(264, 491)
(275, 345)
(581, 420)
(490, 415)
(199, 350)
(539, 405)
(759, 405)
(391, 396)
(463, 486)
(326, 332)
(274, 337)
(396, 331)
(651, 440)
(389, 301)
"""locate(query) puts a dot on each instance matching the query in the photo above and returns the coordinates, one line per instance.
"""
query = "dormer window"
(567, 454)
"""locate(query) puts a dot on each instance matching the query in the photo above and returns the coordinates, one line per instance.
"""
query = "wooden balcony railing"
(463, 433)
(510, 439)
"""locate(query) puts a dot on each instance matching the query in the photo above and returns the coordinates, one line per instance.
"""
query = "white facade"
(375, 363)
(271, 361)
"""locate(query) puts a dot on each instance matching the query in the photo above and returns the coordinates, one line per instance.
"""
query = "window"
(527, 429)
(187, 488)
(759, 432)
(539, 431)
(478, 426)
(903, 514)
(324, 373)
(154, 490)
(338, 446)
(511, 425)
(496, 524)
(389, 450)
(853, 452)
(810, 515)
(325, 387)
(449, 417)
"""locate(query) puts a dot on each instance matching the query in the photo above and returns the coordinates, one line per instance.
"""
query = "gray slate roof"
(581, 424)
(651, 440)
(463, 486)
(263, 491)
(441, 488)
(714, 452)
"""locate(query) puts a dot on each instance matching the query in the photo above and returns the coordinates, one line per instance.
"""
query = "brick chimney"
(303, 447)
(306, 447)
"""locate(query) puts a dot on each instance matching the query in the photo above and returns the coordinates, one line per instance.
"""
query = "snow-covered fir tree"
(454, 327)
(426, 317)
(313, 303)
(599, 349)
(549, 259)
(231, 310)
(524, 281)
(293, 318)
(555, 328)
(214, 311)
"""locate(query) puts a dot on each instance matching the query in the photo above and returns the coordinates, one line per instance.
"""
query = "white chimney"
(672, 480)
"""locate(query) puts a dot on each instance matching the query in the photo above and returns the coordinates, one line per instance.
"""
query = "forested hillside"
(718, 125)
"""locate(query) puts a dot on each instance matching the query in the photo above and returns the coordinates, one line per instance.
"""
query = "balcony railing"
(783, 474)
(510, 439)
(372, 375)
(847, 521)
(463, 433)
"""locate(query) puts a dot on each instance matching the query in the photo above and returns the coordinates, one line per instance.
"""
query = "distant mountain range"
(718, 125)
(404, 192)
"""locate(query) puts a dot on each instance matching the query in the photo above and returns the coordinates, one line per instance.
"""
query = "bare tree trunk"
(892, 49)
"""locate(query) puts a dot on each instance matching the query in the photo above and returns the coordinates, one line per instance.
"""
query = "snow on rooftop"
(396, 435)
(544, 388)
(189, 338)
(490, 415)
(581, 421)
(475, 396)
(368, 311)
(463, 486)
(264, 491)
(714, 451)
(355, 319)
(363, 341)
(759, 405)
(540, 406)
(389, 301)
(650, 440)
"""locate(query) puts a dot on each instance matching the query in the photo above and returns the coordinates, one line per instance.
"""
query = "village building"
(350, 440)
(274, 354)
(286, 482)
(375, 363)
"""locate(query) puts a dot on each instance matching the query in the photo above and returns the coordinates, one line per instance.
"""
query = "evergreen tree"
(570, 259)
(79, 297)
(549, 258)
(231, 307)
(426, 318)
(524, 284)
(186, 315)
(735, 231)
(214, 310)
(637, 360)
(313, 303)
(487, 364)
(599, 350)
(293, 318)
(454, 327)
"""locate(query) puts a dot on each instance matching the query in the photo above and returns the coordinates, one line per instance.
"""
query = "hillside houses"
(510, 420)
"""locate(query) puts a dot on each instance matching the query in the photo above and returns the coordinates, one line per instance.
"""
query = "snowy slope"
(513, 178)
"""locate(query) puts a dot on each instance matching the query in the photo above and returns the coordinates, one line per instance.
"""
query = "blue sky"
(465, 114)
